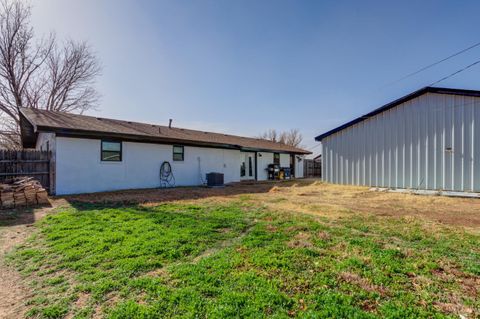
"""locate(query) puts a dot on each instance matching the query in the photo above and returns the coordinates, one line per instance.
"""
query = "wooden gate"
(312, 168)
(37, 164)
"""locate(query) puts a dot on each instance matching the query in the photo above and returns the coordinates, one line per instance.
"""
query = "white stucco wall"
(299, 160)
(80, 170)
(262, 164)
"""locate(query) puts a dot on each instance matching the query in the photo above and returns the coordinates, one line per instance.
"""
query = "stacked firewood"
(22, 191)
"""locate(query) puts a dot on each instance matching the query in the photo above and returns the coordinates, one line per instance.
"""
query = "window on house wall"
(178, 153)
(111, 151)
(276, 158)
(250, 166)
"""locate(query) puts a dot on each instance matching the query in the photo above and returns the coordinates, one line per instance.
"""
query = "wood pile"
(22, 191)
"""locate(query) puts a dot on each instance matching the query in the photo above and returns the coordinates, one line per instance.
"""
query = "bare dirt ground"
(15, 228)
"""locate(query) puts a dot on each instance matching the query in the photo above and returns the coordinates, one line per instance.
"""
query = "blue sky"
(242, 67)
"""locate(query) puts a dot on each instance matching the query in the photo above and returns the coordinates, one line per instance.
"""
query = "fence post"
(312, 168)
(51, 172)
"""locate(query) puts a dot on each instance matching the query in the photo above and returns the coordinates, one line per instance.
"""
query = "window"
(178, 153)
(250, 166)
(276, 158)
(111, 151)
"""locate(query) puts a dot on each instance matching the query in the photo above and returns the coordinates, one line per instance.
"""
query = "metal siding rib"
(381, 124)
(416, 149)
(452, 143)
(422, 169)
(327, 164)
(432, 124)
(324, 162)
(376, 145)
(467, 144)
(472, 143)
(397, 122)
(347, 157)
(387, 148)
(340, 157)
(401, 147)
(408, 145)
(440, 142)
(364, 158)
(432, 140)
(457, 148)
(476, 147)
(462, 135)
(443, 124)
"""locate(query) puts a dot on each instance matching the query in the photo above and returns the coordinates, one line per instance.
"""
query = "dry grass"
(311, 197)
(340, 200)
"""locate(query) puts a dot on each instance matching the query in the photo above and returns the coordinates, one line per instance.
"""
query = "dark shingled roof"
(67, 124)
(428, 89)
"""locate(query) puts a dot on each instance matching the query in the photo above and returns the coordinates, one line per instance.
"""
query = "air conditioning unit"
(215, 180)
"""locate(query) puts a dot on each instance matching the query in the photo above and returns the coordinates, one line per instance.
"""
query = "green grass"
(243, 261)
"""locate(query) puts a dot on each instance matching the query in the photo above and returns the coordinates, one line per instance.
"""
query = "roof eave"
(150, 139)
(28, 131)
(427, 89)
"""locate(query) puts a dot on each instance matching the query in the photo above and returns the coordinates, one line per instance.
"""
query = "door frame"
(244, 159)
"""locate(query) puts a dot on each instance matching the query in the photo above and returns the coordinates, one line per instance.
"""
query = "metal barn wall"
(430, 142)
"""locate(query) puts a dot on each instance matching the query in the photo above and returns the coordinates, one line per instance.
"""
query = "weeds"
(243, 260)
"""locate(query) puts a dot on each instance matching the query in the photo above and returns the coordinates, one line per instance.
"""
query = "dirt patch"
(301, 240)
(454, 308)
(80, 303)
(16, 226)
(271, 228)
(159, 195)
(355, 279)
(323, 235)
(470, 284)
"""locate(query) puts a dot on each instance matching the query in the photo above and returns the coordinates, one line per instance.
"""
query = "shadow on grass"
(161, 195)
(19, 216)
(25, 216)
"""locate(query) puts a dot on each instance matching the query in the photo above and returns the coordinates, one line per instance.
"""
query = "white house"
(429, 139)
(94, 154)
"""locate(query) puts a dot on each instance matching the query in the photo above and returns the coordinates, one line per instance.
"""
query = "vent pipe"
(170, 123)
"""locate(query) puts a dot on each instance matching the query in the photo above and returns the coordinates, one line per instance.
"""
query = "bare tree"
(292, 137)
(270, 135)
(40, 73)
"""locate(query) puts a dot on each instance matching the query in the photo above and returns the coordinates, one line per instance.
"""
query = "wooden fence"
(37, 164)
(312, 168)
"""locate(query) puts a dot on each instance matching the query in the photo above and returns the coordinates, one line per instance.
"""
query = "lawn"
(244, 256)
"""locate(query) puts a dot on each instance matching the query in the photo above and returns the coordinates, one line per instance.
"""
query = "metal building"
(429, 139)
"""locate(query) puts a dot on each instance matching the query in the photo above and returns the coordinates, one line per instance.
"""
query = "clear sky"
(242, 67)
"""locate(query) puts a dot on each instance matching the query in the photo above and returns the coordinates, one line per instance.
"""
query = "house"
(95, 154)
(429, 140)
